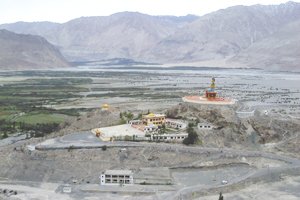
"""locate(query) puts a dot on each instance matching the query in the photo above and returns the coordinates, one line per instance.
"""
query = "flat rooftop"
(120, 130)
(118, 172)
(152, 115)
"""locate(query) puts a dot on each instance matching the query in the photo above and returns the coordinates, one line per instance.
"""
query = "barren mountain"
(121, 35)
(224, 33)
(19, 51)
(279, 51)
(252, 36)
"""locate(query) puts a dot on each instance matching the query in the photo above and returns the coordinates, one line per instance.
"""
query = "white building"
(31, 147)
(169, 137)
(245, 114)
(138, 124)
(172, 123)
(67, 188)
(135, 122)
(205, 126)
(116, 177)
(151, 128)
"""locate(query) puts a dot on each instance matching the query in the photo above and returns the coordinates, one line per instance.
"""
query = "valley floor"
(255, 153)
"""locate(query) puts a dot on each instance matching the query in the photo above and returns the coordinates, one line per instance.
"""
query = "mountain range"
(240, 36)
(20, 51)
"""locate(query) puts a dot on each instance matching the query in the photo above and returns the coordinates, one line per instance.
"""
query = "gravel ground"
(287, 189)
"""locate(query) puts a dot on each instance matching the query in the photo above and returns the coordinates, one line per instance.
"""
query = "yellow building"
(154, 119)
(105, 107)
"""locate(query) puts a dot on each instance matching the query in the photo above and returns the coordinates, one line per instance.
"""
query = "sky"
(65, 10)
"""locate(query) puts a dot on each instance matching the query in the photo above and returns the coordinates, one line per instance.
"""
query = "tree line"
(35, 130)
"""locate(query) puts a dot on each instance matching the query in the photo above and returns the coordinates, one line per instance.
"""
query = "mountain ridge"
(228, 36)
(23, 51)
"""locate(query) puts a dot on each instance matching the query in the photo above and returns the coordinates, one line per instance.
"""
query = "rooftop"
(151, 115)
(118, 172)
(105, 105)
(119, 130)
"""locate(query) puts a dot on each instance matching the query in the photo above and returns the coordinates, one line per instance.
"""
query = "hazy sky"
(64, 10)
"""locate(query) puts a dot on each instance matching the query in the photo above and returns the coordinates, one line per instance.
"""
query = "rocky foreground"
(232, 142)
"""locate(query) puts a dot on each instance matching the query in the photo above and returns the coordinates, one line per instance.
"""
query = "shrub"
(104, 148)
(192, 136)
(71, 148)
(128, 138)
(4, 135)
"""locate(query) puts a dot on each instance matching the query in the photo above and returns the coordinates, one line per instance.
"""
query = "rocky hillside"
(232, 131)
(251, 36)
(19, 51)
(279, 51)
(230, 32)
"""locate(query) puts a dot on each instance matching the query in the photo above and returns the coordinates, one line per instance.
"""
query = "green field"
(41, 118)
(53, 97)
(25, 99)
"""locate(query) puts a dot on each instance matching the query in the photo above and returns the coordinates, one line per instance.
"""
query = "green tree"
(129, 116)
(162, 129)
(191, 125)
(221, 196)
(128, 138)
(104, 148)
(140, 116)
(193, 137)
(4, 135)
